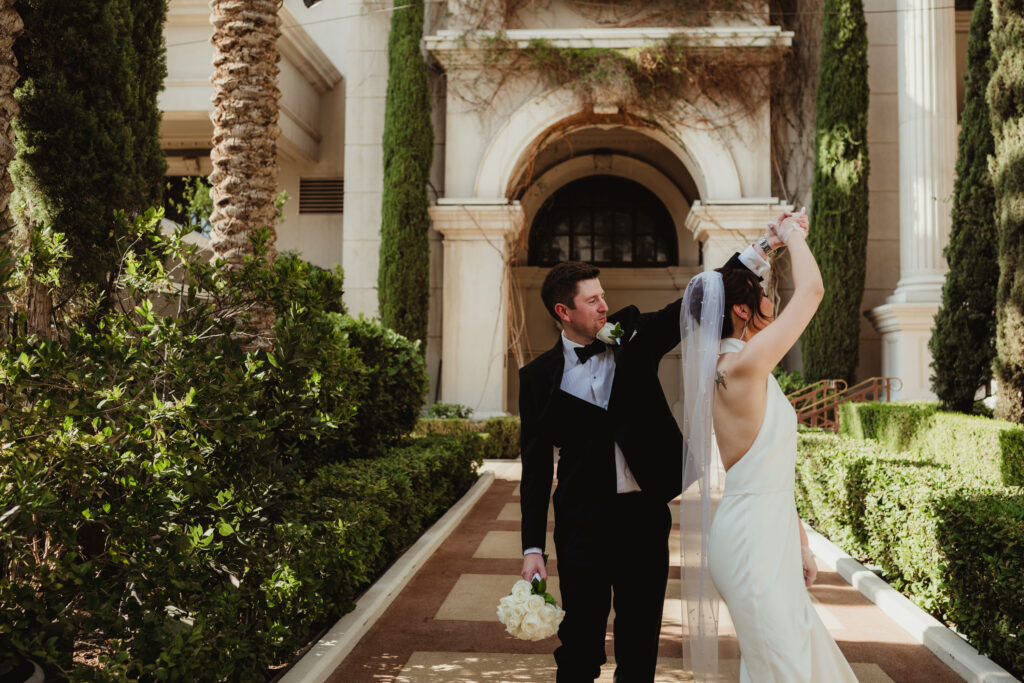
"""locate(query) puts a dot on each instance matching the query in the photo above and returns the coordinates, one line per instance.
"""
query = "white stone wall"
(312, 115)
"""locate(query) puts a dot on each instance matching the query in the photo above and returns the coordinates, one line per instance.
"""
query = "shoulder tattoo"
(720, 378)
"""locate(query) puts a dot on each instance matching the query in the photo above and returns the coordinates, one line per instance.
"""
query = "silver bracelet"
(763, 243)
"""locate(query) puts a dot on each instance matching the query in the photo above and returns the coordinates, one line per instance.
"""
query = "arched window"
(604, 220)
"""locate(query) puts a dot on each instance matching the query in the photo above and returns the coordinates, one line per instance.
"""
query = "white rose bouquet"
(529, 612)
(610, 333)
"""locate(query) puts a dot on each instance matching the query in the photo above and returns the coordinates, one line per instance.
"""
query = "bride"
(755, 551)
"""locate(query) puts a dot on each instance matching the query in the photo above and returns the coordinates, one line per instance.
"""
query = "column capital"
(743, 218)
(476, 220)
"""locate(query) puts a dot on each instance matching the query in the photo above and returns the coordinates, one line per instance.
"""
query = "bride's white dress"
(754, 559)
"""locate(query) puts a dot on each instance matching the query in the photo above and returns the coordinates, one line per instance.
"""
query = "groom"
(620, 463)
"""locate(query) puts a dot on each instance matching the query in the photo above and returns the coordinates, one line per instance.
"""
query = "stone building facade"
(535, 174)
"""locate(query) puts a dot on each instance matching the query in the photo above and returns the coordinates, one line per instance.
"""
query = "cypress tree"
(1006, 101)
(839, 212)
(88, 129)
(404, 273)
(963, 340)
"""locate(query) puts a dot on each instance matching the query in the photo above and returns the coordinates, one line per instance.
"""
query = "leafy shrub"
(501, 434)
(1011, 445)
(990, 449)
(952, 542)
(788, 381)
(187, 510)
(396, 381)
(447, 410)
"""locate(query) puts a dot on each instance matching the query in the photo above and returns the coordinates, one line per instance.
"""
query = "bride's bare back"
(741, 379)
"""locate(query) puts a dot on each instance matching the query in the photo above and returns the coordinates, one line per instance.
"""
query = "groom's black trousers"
(629, 560)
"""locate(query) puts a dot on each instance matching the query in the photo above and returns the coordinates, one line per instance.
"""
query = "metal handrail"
(824, 411)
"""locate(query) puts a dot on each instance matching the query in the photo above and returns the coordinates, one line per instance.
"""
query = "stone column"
(927, 150)
(366, 78)
(477, 239)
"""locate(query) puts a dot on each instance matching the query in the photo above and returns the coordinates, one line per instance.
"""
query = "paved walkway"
(442, 627)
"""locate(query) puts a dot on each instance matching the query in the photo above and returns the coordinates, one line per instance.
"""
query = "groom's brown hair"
(560, 284)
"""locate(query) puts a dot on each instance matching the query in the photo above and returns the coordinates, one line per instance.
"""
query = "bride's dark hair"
(741, 287)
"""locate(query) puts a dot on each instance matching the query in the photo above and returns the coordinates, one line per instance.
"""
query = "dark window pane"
(603, 251)
(582, 250)
(606, 220)
(645, 252)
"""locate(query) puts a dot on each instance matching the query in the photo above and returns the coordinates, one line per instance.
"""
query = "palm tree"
(10, 28)
(245, 131)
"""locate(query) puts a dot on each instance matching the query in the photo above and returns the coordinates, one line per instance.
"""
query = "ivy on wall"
(403, 277)
(1005, 96)
(963, 340)
(839, 213)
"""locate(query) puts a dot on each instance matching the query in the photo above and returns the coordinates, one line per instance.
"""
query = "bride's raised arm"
(767, 348)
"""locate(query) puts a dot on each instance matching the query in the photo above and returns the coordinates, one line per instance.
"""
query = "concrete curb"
(954, 651)
(328, 653)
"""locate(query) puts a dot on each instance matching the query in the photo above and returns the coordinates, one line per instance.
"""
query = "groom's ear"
(562, 311)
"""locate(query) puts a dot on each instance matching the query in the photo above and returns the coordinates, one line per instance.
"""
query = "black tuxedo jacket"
(638, 419)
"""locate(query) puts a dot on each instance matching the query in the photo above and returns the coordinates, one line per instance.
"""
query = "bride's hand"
(787, 222)
(810, 567)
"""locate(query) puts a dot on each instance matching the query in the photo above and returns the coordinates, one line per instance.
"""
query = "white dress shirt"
(750, 258)
(592, 382)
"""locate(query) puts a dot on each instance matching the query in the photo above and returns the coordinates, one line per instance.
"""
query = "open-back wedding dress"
(754, 559)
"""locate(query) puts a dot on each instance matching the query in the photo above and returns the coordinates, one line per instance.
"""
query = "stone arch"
(701, 149)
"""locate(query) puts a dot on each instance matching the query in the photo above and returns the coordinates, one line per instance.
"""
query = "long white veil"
(700, 322)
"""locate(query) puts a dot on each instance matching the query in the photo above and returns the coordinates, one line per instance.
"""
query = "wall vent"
(321, 195)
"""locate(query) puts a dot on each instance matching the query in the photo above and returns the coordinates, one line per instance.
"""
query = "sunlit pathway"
(442, 627)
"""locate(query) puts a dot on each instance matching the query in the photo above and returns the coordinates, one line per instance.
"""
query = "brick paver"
(442, 627)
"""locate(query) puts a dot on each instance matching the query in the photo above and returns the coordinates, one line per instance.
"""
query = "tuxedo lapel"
(552, 370)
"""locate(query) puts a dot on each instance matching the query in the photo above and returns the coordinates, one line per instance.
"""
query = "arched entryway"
(615, 197)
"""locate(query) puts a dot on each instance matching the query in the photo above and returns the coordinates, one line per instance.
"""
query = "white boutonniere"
(610, 333)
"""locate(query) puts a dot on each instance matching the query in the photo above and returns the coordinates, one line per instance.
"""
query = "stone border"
(950, 648)
(328, 653)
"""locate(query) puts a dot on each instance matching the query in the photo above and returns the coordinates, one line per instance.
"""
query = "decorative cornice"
(300, 49)
(295, 43)
(737, 215)
(454, 49)
(473, 220)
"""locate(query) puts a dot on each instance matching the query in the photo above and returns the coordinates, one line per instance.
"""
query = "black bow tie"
(585, 352)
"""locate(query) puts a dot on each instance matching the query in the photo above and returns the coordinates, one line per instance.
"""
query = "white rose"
(504, 612)
(534, 603)
(521, 590)
(518, 611)
(531, 627)
(610, 333)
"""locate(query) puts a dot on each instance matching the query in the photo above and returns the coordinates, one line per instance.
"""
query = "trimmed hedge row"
(948, 540)
(990, 449)
(228, 602)
(502, 433)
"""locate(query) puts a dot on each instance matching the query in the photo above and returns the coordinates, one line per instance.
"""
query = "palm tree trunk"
(245, 113)
(11, 27)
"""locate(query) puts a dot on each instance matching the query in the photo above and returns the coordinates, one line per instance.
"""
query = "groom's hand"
(533, 563)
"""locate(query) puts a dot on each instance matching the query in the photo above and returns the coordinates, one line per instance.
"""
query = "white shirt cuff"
(533, 551)
(750, 258)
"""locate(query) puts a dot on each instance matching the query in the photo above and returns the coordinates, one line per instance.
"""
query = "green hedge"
(949, 541)
(226, 598)
(502, 433)
(992, 450)
(163, 491)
